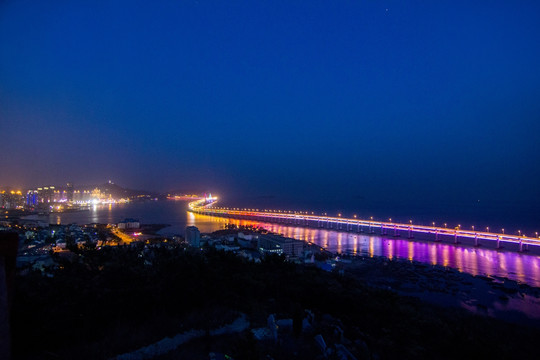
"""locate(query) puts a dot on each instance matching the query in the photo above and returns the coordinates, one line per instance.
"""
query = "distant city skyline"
(91, 186)
(382, 100)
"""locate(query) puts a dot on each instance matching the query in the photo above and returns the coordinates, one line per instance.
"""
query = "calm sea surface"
(483, 260)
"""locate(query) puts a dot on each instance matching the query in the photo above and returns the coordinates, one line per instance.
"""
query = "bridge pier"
(300, 219)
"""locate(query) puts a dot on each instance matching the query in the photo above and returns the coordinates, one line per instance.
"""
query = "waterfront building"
(193, 236)
(46, 194)
(59, 195)
(129, 224)
(82, 196)
(12, 199)
(268, 243)
(69, 192)
(32, 197)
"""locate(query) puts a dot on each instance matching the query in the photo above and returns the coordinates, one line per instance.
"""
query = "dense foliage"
(109, 301)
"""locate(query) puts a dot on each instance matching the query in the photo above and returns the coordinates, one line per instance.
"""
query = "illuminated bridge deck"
(207, 207)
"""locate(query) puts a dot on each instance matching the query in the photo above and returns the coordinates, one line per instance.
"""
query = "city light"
(334, 222)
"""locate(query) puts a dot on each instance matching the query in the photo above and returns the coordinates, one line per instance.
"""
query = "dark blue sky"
(402, 100)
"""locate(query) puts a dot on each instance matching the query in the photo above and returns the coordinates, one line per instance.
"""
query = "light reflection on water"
(516, 266)
(476, 261)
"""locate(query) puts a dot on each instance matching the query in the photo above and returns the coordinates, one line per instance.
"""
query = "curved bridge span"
(206, 207)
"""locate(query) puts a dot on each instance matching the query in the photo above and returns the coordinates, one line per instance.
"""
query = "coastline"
(491, 296)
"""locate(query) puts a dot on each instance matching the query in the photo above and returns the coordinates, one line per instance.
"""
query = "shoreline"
(463, 249)
(491, 296)
(482, 294)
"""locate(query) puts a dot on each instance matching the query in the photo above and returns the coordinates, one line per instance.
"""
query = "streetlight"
(433, 223)
(473, 228)
(354, 216)
(519, 231)
(410, 222)
(503, 231)
(445, 225)
(487, 229)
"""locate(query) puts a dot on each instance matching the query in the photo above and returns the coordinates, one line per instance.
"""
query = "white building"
(268, 243)
(193, 236)
(129, 224)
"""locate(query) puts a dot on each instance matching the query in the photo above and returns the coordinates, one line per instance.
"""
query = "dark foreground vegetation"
(106, 302)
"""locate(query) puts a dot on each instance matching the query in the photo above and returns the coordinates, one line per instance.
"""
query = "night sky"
(406, 100)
